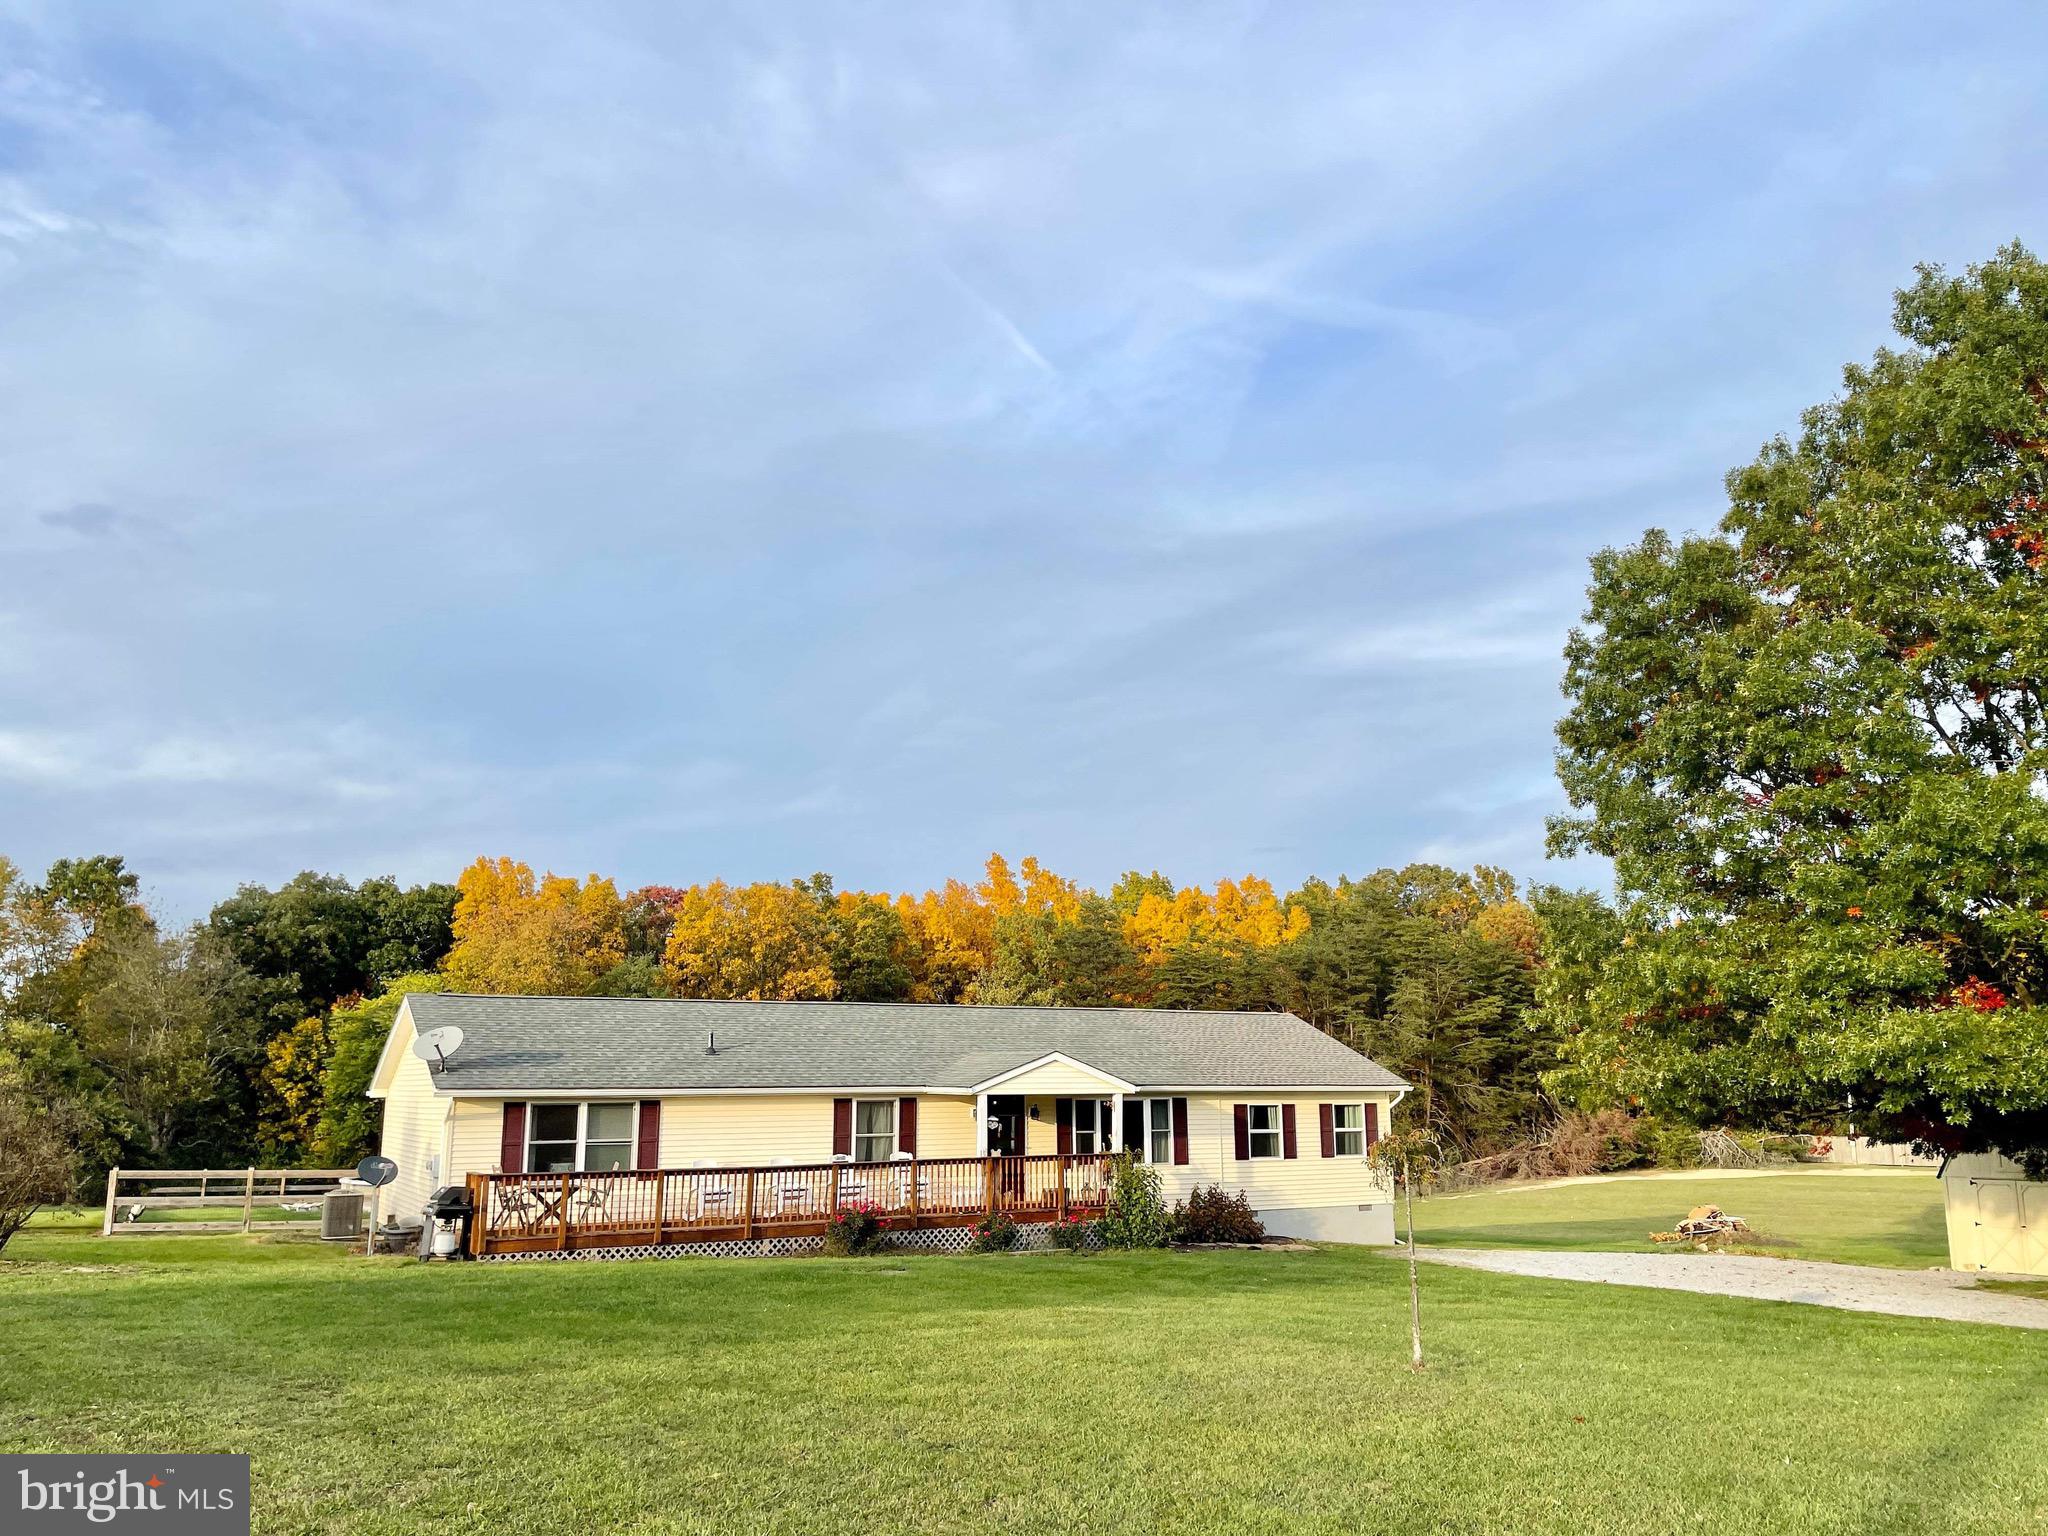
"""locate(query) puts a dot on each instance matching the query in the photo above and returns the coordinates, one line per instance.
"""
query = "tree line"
(251, 1036)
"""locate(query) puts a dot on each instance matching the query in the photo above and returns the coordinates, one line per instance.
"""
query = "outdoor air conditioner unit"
(341, 1215)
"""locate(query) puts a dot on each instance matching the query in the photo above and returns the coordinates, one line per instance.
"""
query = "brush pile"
(1704, 1224)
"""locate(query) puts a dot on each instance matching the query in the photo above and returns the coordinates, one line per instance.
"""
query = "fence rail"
(534, 1212)
(209, 1188)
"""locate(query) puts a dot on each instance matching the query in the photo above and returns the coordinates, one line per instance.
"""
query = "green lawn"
(1212, 1392)
(1846, 1217)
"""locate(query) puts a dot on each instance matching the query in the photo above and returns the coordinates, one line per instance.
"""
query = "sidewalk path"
(1942, 1293)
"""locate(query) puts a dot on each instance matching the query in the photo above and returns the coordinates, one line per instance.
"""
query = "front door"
(1006, 1125)
(1006, 1140)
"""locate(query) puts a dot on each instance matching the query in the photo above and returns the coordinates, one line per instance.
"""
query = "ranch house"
(590, 1125)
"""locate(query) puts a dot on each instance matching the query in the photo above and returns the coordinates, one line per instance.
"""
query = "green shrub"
(993, 1234)
(1210, 1216)
(1070, 1233)
(1672, 1146)
(1136, 1215)
(854, 1230)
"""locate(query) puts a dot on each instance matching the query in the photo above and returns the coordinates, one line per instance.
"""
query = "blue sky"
(694, 441)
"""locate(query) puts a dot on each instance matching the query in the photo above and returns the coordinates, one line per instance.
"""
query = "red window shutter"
(1240, 1126)
(512, 1140)
(842, 1127)
(1329, 1116)
(650, 1135)
(1287, 1130)
(1063, 1117)
(906, 1126)
(1180, 1133)
(1372, 1125)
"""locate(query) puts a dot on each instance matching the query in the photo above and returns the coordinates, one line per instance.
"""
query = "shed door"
(1999, 1232)
(2033, 1201)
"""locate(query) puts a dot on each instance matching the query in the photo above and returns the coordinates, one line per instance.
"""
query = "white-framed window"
(874, 1130)
(1347, 1123)
(1153, 1140)
(1262, 1124)
(1092, 1122)
(590, 1138)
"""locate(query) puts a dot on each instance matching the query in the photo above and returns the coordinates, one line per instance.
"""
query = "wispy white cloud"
(760, 440)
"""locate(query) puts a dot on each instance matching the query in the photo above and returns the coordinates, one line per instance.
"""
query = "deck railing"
(533, 1212)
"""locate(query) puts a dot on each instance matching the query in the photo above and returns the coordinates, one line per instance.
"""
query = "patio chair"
(516, 1205)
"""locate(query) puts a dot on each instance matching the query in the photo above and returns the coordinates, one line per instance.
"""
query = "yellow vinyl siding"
(1057, 1079)
(413, 1134)
(1308, 1179)
(945, 1128)
(476, 1131)
(744, 1130)
(1042, 1136)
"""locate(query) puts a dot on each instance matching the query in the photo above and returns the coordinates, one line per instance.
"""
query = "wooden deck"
(536, 1212)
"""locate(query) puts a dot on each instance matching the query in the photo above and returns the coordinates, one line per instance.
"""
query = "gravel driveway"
(1900, 1292)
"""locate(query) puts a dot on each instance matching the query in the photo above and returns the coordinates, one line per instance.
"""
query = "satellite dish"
(376, 1171)
(437, 1045)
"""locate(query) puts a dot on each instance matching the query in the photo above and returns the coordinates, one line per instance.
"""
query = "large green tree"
(317, 939)
(1812, 742)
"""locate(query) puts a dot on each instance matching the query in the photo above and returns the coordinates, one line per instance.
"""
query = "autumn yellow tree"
(293, 1082)
(1245, 913)
(1034, 888)
(953, 931)
(514, 934)
(757, 942)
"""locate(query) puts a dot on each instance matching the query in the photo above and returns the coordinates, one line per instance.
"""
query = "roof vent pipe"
(711, 1049)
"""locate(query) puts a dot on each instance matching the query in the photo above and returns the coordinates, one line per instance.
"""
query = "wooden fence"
(240, 1190)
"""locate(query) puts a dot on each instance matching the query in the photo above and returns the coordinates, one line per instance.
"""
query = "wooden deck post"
(988, 1172)
(835, 1189)
(562, 1216)
(660, 1203)
(480, 1205)
(749, 1228)
(913, 1191)
(1059, 1204)
(107, 1226)
(248, 1200)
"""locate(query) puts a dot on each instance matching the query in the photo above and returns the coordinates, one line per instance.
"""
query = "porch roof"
(517, 1045)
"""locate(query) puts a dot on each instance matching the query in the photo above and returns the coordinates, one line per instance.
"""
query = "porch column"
(1116, 1123)
(981, 1125)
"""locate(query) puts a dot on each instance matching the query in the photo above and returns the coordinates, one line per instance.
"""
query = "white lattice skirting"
(931, 1240)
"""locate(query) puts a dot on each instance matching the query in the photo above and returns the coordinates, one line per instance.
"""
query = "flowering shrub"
(993, 1233)
(1070, 1233)
(1136, 1215)
(855, 1229)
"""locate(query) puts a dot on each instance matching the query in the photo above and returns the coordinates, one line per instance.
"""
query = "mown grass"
(1884, 1218)
(1226, 1392)
(2016, 1287)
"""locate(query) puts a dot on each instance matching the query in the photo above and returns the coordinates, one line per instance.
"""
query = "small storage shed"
(1997, 1216)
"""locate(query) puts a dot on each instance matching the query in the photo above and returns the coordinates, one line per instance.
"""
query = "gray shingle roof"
(539, 1044)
